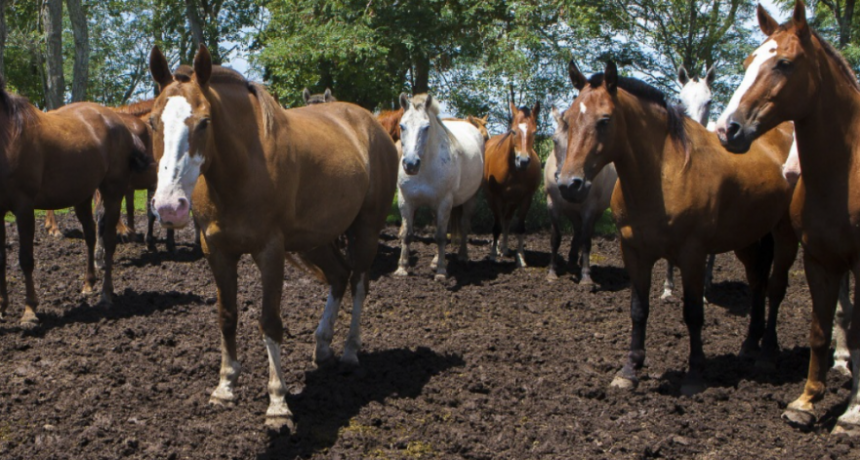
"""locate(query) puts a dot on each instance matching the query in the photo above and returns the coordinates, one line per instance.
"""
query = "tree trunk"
(421, 77)
(2, 38)
(845, 24)
(82, 49)
(52, 13)
(193, 17)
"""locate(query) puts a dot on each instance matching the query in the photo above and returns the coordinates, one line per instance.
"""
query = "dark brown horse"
(57, 160)
(267, 181)
(796, 75)
(511, 178)
(680, 196)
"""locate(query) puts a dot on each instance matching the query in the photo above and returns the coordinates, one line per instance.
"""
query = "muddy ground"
(497, 363)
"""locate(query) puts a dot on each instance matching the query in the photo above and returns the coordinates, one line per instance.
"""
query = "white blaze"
(582, 108)
(760, 56)
(178, 169)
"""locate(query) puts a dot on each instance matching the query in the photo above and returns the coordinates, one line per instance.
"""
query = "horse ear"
(711, 76)
(159, 68)
(683, 78)
(556, 115)
(404, 101)
(536, 110)
(306, 95)
(766, 22)
(428, 104)
(576, 77)
(486, 118)
(513, 109)
(328, 97)
(202, 66)
(610, 77)
(799, 20)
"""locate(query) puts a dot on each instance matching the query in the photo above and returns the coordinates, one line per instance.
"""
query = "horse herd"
(315, 184)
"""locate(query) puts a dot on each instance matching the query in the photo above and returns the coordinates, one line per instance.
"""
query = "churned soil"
(495, 363)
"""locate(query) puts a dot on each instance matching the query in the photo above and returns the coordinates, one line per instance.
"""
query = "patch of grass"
(139, 206)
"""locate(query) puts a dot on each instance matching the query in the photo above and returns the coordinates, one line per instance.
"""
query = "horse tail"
(303, 264)
(455, 224)
(140, 158)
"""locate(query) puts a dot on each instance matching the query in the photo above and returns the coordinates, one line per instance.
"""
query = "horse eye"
(603, 122)
(203, 123)
(783, 64)
(403, 127)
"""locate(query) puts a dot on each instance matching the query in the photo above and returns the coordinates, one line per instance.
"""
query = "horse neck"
(828, 131)
(438, 138)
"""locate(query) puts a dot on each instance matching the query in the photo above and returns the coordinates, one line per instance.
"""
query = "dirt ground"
(497, 363)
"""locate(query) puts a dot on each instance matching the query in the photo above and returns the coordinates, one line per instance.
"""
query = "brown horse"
(267, 181)
(480, 123)
(390, 121)
(58, 160)
(796, 75)
(680, 196)
(511, 177)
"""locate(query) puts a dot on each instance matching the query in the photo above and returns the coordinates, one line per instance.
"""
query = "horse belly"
(70, 179)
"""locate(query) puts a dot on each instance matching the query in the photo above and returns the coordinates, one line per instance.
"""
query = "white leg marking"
(325, 331)
(844, 309)
(521, 255)
(353, 340)
(229, 374)
(277, 388)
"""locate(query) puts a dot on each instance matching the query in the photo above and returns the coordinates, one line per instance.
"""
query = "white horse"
(696, 99)
(583, 215)
(442, 167)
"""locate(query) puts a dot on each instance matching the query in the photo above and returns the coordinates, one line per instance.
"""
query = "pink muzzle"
(173, 211)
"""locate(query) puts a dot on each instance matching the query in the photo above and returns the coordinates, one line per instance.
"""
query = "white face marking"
(524, 128)
(414, 137)
(582, 108)
(179, 169)
(695, 96)
(760, 56)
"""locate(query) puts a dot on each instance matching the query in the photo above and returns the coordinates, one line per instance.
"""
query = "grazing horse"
(267, 181)
(442, 167)
(57, 160)
(696, 99)
(511, 178)
(679, 197)
(796, 75)
(583, 215)
(311, 99)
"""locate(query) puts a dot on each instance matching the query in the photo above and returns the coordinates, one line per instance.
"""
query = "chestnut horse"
(267, 181)
(796, 75)
(511, 178)
(390, 120)
(57, 160)
(680, 196)
(480, 123)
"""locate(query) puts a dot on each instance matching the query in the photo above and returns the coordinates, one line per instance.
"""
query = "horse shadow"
(184, 253)
(734, 296)
(126, 305)
(331, 399)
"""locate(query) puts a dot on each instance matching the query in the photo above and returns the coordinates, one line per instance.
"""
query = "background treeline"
(476, 55)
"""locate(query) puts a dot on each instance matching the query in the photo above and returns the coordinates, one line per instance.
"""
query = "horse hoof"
(842, 368)
(221, 401)
(522, 263)
(849, 429)
(280, 422)
(552, 277)
(441, 277)
(87, 290)
(666, 295)
(325, 361)
(56, 233)
(106, 300)
(623, 383)
(29, 319)
(586, 281)
(799, 418)
(401, 272)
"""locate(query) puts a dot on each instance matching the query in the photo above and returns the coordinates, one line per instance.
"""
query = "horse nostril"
(576, 183)
(733, 129)
(183, 205)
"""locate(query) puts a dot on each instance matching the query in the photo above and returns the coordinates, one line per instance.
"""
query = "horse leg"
(270, 261)
(26, 222)
(443, 214)
(521, 231)
(785, 251)
(555, 243)
(669, 284)
(844, 311)
(756, 260)
(465, 227)
(692, 278)
(640, 285)
(587, 231)
(198, 234)
(84, 213)
(575, 243)
(497, 226)
(709, 272)
(407, 214)
(171, 241)
(150, 221)
(98, 204)
(330, 261)
(849, 421)
(112, 211)
(507, 216)
(824, 287)
(125, 231)
(4, 294)
(224, 269)
(51, 225)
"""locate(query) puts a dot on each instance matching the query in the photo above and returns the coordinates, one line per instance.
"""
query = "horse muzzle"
(735, 137)
(411, 167)
(172, 213)
(574, 189)
(521, 163)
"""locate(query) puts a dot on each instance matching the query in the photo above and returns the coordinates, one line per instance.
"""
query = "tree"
(52, 14)
(82, 49)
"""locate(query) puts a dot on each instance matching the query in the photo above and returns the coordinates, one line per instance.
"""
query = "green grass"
(139, 205)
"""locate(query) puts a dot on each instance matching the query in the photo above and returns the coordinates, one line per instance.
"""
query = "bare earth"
(497, 363)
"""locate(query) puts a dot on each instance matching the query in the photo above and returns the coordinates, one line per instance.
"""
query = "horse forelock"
(419, 102)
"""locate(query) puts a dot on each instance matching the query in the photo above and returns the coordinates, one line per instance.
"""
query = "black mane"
(21, 115)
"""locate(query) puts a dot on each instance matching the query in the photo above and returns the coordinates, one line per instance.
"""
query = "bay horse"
(267, 181)
(680, 196)
(583, 215)
(57, 160)
(442, 167)
(311, 99)
(511, 178)
(796, 75)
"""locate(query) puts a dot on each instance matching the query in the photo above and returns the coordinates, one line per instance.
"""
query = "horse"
(480, 123)
(583, 215)
(680, 197)
(442, 167)
(796, 75)
(511, 178)
(267, 181)
(57, 160)
(390, 120)
(696, 99)
(311, 99)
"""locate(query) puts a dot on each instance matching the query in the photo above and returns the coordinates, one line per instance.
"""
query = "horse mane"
(526, 111)
(390, 120)
(420, 102)
(138, 108)
(838, 59)
(21, 113)
(675, 115)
